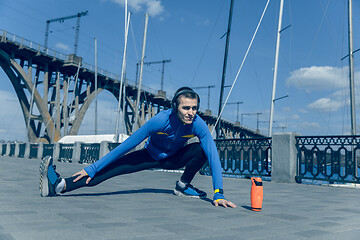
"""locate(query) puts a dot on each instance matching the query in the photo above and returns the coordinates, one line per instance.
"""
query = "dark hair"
(186, 92)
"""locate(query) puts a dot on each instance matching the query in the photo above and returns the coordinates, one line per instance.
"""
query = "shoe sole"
(44, 181)
(178, 193)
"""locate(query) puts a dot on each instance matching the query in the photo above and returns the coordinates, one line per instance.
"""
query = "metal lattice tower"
(62, 19)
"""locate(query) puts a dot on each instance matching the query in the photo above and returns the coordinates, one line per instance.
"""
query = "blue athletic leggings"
(190, 156)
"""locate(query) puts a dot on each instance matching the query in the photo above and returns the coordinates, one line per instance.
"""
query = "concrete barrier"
(284, 157)
(104, 148)
(283, 165)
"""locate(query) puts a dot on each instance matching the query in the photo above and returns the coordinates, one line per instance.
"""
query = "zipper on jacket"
(176, 133)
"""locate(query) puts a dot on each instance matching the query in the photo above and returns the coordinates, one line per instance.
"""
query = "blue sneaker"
(188, 191)
(49, 178)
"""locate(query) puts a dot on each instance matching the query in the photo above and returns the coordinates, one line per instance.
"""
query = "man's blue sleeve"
(208, 145)
(135, 139)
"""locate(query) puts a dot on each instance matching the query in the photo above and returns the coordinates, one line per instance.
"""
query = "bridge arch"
(63, 87)
(18, 76)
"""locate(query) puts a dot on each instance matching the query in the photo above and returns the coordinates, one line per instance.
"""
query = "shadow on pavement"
(144, 190)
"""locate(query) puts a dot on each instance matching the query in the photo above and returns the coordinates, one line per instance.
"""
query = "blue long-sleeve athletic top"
(166, 134)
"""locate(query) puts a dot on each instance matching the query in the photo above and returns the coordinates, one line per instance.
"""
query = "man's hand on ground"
(80, 175)
(224, 203)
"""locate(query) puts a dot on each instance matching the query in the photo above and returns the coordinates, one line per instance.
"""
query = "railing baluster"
(328, 158)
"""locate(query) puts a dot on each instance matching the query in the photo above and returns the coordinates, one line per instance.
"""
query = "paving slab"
(142, 206)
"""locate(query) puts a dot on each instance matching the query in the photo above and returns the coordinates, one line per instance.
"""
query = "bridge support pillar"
(284, 157)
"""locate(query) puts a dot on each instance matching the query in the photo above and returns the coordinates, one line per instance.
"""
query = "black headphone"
(181, 91)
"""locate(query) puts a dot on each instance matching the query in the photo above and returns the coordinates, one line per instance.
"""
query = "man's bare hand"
(224, 203)
(80, 175)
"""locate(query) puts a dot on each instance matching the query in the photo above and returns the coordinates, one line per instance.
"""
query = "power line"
(237, 109)
(148, 64)
(62, 19)
(208, 87)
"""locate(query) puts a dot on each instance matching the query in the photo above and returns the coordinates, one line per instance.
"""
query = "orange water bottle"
(256, 195)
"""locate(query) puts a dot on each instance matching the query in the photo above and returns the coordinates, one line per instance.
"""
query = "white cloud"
(310, 125)
(286, 109)
(62, 46)
(205, 22)
(318, 78)
(325, 105)
(295, 116)
(152, 7)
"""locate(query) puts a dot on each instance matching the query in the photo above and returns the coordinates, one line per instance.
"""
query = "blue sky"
(188, 32)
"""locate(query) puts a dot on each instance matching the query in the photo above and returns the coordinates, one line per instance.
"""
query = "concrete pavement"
(142, 206)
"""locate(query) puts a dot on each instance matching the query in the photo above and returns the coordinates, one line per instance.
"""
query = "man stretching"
(167, 134)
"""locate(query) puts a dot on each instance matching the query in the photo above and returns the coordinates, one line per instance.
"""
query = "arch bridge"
(62, 87)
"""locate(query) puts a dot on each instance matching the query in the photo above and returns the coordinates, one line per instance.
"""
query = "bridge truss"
(62, 87)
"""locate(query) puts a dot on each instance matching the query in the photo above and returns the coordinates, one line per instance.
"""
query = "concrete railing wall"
(283, 159)
(104, 149)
